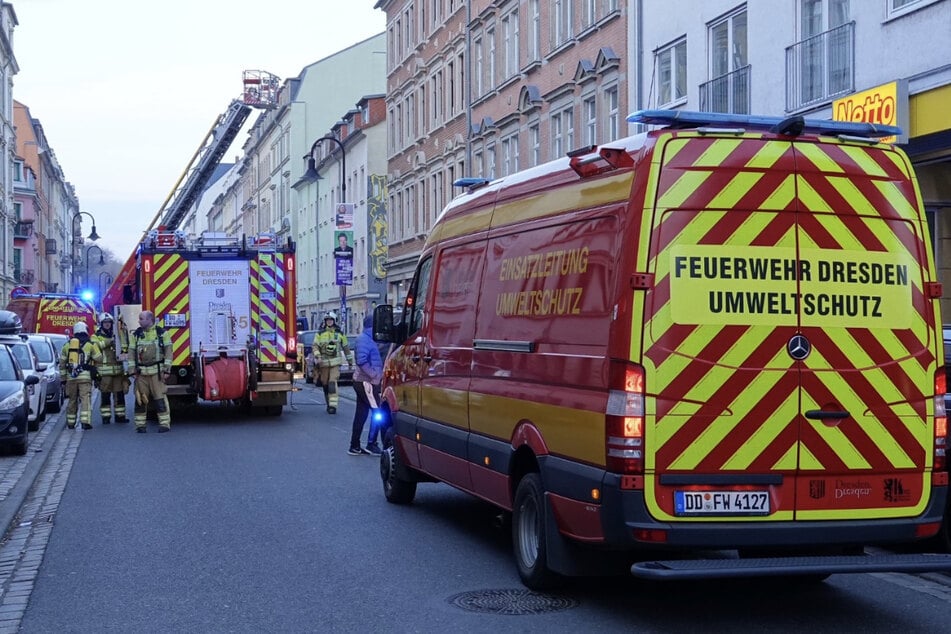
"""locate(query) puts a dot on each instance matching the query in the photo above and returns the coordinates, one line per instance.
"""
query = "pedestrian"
(77, 367)
(327, 349)
(152, 365)
(113, 382)
(367, 376)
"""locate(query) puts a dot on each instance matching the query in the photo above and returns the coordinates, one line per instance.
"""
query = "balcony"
(51, 246)
(729, 94)
(820, 67)
(24, 277)
(23, 229)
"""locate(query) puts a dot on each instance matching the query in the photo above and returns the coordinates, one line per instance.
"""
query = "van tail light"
(624, 419)
(940, 421)
(292, 345)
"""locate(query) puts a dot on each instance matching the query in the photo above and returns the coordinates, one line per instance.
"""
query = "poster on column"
(343, 257)
(344, 219)
(220, 303)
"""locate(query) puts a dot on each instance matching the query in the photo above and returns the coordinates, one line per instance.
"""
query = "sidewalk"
(18, 473)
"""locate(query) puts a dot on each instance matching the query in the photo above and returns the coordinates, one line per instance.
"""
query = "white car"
(30, 365)
(49, 364)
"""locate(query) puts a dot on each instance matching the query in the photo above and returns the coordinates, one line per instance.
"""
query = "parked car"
(305, 341)
(49, 364)
(57, 340)
(14, 402)
(37, 392)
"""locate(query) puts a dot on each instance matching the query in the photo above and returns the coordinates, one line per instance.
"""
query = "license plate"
(721, 503)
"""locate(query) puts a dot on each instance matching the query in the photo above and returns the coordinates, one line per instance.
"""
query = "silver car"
(48, 359)
(27, 359)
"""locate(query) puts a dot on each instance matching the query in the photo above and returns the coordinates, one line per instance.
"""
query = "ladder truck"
(227, 302)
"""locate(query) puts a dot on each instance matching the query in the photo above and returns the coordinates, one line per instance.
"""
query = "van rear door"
(869, 328)
(778, 393)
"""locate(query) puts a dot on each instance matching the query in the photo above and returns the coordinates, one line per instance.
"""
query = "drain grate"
(511, 602)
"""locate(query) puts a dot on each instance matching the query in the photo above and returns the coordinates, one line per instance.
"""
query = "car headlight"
(49, 378)
(13, 401)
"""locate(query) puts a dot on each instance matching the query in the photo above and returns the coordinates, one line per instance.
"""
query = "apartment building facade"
(885, 61)
(486, 88)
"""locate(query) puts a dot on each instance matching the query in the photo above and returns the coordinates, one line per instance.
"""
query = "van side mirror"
(383, 331)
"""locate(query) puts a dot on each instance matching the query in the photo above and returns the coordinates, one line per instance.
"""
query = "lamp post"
(312, 174)
(105, 279)
(76, 237)
(102, 260)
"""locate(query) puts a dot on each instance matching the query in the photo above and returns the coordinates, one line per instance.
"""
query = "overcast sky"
(127, 90)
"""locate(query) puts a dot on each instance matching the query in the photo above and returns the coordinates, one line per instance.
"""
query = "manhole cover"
(514, 602)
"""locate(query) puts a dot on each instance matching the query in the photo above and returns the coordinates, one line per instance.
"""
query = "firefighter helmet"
(10, 323)
(330, 315)
(80, 326)
(106, 317)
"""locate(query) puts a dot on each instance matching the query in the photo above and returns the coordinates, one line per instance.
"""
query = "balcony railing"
(728, 93)
(51, 246)
(23, 229)
(820, 67)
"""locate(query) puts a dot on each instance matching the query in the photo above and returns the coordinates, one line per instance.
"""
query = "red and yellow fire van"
(54, 313)
(721, 334)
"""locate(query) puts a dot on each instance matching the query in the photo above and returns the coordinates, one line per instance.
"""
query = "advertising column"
(343, 257)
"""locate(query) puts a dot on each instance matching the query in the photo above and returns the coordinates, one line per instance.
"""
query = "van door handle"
(819, 414)
(428, 358)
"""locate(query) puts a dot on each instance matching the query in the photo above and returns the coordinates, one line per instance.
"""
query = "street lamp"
(92, 234)
(102, 260)
(311, 174)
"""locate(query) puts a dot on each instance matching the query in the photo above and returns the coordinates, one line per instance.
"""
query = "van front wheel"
(396, 489)
(528, 534)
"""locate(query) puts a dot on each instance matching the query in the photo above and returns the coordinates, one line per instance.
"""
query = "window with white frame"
(588, 13)
(477, 71)
(493, 76)
(589, 120)
(18, 171)
(510, 42)
(535, 143)
(728, 88)
(536, 51)
(560, 21)
(490, 162)
(900, 7)
(510, 154)
(824, 53)
(672, 73)
(477, 165)
(450, 88)
(562, 132)
(612, 112)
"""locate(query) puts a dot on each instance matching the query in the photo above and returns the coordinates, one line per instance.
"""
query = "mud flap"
(571, 559)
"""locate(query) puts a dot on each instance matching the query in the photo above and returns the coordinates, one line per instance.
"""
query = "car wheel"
(57, 404)
(528, 534)
(20, 448)
(396, 489)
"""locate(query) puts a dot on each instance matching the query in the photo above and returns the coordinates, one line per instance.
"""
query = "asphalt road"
(234, 523)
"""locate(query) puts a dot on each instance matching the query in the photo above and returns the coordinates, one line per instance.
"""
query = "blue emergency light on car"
(793, 126)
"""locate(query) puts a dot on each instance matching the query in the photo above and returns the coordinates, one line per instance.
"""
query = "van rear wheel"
(528, 534)
(396, 489)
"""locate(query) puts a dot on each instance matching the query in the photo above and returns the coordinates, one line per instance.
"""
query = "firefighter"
(113, 383)
(152, 364)
(77, 367)
(328, 345)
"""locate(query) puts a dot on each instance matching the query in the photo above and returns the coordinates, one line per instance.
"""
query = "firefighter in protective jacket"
(113, 383)
(77, 367)
(328, 345)
(152, 363)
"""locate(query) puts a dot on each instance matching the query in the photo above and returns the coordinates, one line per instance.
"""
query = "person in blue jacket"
(367, 376)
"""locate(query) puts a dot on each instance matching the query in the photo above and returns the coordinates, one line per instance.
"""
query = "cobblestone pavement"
(30, 490)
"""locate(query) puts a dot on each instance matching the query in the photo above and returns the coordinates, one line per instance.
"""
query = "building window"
(562, 132)
(672, 73)
(490, 162)
(821, 65)
(728, 90)
(510, 35)
(536, 31)
(589, 15)
(510, 154)
(612, 117)
(589, 114)
(560, 21)
(478, 67)
(490, 36)
(18, 171)
(535, 141)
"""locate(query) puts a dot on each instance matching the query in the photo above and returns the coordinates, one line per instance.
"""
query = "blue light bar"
(471, 181)
(691, 119)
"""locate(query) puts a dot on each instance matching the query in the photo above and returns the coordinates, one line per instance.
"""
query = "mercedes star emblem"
(798, 347)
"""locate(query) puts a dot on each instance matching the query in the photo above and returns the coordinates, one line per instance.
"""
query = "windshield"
(23, 355)
(43, 351)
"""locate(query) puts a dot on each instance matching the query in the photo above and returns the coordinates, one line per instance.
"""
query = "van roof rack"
(791, 126)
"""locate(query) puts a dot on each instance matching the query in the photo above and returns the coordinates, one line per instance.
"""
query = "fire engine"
(227, 302)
